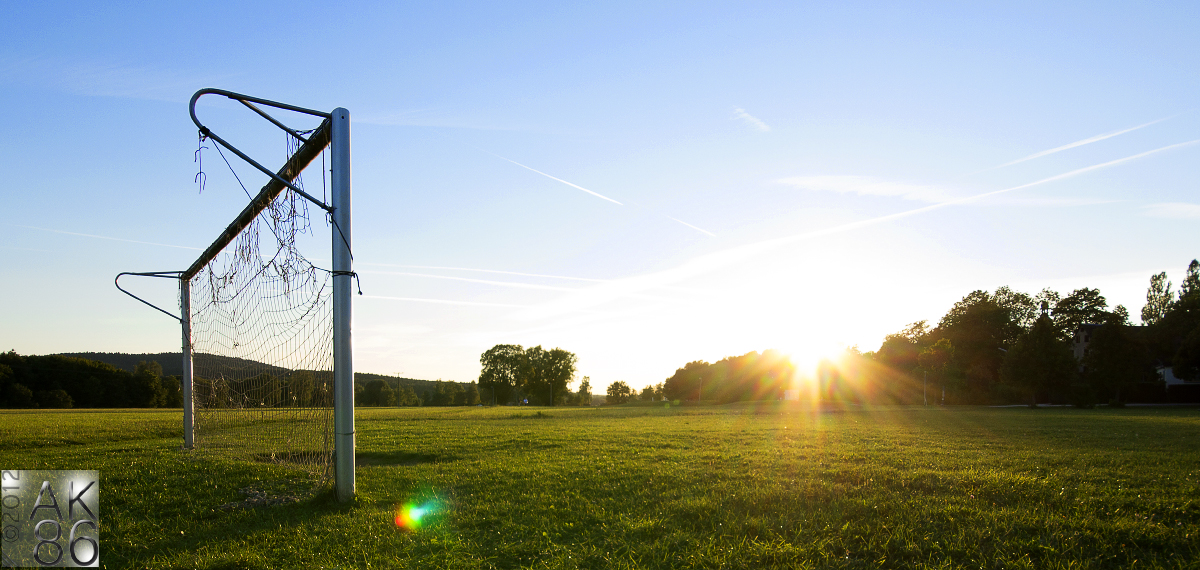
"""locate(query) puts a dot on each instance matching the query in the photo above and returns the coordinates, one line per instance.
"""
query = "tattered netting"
(262, 343)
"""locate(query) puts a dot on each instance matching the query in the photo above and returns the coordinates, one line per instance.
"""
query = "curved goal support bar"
(163, 274)
(248, 99)
(321, 133)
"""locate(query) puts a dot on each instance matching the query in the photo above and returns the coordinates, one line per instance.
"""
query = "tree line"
(513, 374)
(65, 382)
(378, 392)
(751, 376)
(1007, 347)
(61, 381)
(994, 347)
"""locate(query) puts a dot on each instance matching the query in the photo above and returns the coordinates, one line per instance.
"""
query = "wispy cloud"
(1078, 143)
(933, 194)
(494, 271)
(107, 79)
(1047, 202)
(751, 120)
(444, 302)
(869, 186)
(442, 267)
(433, 117)
(612, 290)
(469, 280)
(103, 237)
(1173, 210)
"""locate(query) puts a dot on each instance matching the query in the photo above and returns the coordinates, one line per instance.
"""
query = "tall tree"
(503, 368)
(378, 393)
(585, 392)
(1039, 361)
(688, 382)
(549, 373)
(618, 393)
(1171, 332)
(1082, 306)
(1115, 360)
(146, 388)
(979, 328)
(899, 351)
(1022, 309)
(1191, 281)
(172, 392)
(1158, 299)
(935, 359)
(472, 394)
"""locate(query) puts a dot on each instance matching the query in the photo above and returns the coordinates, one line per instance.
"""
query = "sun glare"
(807, 358)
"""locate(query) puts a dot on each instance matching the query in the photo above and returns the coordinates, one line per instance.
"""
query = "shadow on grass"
(402, 458)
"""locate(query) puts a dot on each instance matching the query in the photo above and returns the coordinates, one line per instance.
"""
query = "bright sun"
(807, 357)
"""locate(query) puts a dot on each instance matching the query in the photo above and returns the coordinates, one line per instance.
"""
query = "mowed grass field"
(743, 486)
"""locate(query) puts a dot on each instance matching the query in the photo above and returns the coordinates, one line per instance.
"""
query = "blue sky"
(643, 184)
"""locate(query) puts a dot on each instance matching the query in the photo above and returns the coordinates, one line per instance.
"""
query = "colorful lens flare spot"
(409, 516)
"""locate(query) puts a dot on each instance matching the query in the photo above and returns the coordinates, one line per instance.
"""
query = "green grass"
(702, 487)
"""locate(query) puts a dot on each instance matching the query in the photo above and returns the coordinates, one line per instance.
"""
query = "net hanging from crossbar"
(262, 343)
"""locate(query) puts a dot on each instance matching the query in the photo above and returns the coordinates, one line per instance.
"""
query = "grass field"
(691, 487)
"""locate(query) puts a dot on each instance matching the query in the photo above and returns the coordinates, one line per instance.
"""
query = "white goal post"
(334, 133)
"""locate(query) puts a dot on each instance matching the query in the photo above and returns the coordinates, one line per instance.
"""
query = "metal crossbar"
(312, 147)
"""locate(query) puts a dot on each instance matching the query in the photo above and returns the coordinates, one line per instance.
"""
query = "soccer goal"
(268, 372)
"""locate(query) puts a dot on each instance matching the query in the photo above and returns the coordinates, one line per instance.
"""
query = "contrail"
(485, 271)
(104, 237)
(751, 120)
(618, 288)
(1091, 140)
(444, 302)
(907, 213)
(503, 283)
(558, 179)
(701, 230)
(596, 194)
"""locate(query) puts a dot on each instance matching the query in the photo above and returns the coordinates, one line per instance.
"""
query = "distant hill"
(172, 365)
(172, 362)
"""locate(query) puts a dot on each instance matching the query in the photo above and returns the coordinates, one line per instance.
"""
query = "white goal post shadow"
(333, 132)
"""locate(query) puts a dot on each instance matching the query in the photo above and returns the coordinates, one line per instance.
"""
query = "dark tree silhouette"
(1039, 361)
(502, 371)
(1115, 360)
(618, 393)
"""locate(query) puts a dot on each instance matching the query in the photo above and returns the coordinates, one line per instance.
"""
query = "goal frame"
(334, 133)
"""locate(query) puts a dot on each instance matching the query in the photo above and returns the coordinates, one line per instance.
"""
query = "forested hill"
(172, 365)
(171, 362)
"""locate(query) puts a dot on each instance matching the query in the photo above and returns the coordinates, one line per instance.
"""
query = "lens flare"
(409, 516)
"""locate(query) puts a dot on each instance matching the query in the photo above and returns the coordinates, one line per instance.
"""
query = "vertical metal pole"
(185, 308)
(343, 348)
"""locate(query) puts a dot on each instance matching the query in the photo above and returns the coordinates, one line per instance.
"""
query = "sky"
(643, 184)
